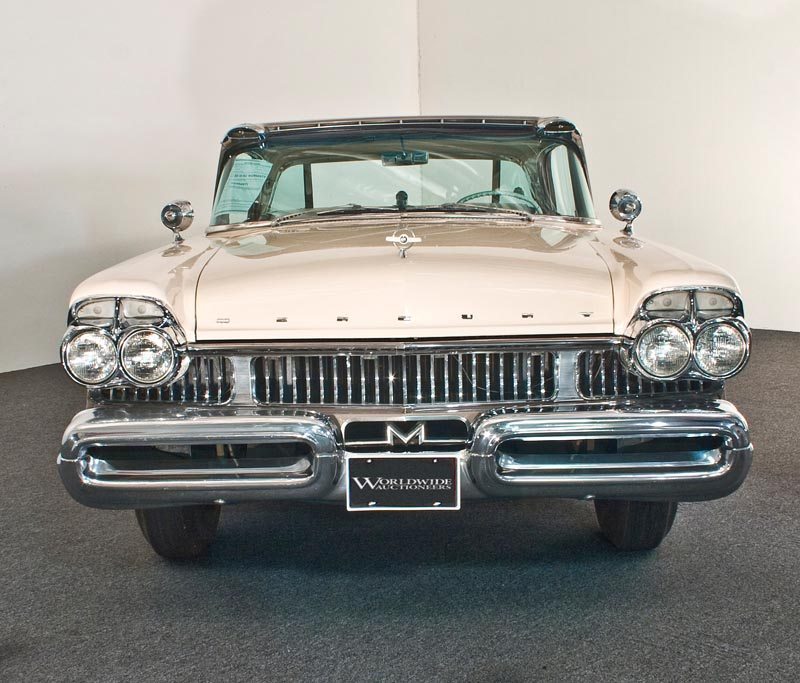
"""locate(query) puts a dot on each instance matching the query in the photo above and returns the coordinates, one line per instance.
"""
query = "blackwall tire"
(634, 524)
(180, 533)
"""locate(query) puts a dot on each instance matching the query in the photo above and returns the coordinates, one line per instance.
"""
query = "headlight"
(91, 357)
(147, 356)
(720, 349)
(663, 351)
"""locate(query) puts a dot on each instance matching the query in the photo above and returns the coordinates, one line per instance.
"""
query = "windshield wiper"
(358, 209)
(343, 210)
(455, 207)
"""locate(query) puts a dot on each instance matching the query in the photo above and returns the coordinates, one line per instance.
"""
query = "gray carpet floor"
(503, 591)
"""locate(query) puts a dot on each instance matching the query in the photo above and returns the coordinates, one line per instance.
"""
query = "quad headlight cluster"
(116, 341)
(690, 333)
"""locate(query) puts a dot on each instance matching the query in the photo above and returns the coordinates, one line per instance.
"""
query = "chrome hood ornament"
(403, 240)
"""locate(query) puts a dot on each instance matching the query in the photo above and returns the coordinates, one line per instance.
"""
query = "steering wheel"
(502, 193)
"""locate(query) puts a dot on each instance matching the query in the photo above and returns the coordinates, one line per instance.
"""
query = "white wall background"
(695, 104)
(108, 110)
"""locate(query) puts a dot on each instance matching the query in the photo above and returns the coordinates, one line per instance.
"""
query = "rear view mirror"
(404, 158)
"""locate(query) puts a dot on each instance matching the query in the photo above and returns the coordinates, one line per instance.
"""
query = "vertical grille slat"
(474, 379)
(460, 377)
(446, 373)
(487, 377)
(419, 378)
(363, 379)
(434, 391)
(292, 369)
(501, 374)
(349, 380)
(404, 362)
(390, 379)
(307, 377)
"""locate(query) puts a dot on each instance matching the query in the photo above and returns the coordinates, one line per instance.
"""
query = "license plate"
(402, 482)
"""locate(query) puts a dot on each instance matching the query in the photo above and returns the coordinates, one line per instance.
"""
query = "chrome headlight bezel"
(125, 338)
(740, 327)
(692, 314)
(637, 361)
(76, 332)
(119, 327)
(693, 321)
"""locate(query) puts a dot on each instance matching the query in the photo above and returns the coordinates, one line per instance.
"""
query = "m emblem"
(436, 434)
(414, 436)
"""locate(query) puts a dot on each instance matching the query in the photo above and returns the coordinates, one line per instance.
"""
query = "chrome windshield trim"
(532, 122)
(411, 218)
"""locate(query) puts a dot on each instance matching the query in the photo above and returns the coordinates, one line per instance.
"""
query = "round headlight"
(147, 356)
(91, 357)
(664, 350)
(720, 349)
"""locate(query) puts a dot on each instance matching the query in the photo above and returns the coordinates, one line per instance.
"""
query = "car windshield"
(302, 174)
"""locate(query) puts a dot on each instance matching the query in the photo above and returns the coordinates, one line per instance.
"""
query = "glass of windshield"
(362, 170)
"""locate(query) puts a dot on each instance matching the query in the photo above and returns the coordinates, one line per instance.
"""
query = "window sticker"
(243, 185)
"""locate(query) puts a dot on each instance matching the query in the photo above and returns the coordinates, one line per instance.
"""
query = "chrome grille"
(208, 381)
(405, 379)
(602, 374)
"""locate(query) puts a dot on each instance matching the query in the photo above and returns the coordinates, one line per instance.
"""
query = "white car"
(402, 314)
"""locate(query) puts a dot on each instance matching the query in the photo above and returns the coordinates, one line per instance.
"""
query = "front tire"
(180, 533)
(635, 524)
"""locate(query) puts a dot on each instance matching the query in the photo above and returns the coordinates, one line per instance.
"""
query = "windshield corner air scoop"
(403, 240)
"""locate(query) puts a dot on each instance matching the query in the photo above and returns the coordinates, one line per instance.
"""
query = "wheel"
(635, 524)
(180, 533)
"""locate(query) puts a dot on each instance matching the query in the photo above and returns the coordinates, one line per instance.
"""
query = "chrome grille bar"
(603, 375)
(429, 378)
(420, 376)
(207, 381)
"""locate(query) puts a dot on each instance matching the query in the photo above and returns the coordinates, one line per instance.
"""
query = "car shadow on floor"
(490, 554)
(327, 538)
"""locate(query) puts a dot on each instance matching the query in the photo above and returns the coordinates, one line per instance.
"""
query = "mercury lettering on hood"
(460, 279)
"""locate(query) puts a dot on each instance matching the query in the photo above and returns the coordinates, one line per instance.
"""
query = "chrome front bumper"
(682, 472)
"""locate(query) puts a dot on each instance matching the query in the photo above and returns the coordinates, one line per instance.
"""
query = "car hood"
(460, 279)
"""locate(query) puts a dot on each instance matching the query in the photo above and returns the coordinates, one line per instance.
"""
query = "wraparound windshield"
(411, 170)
